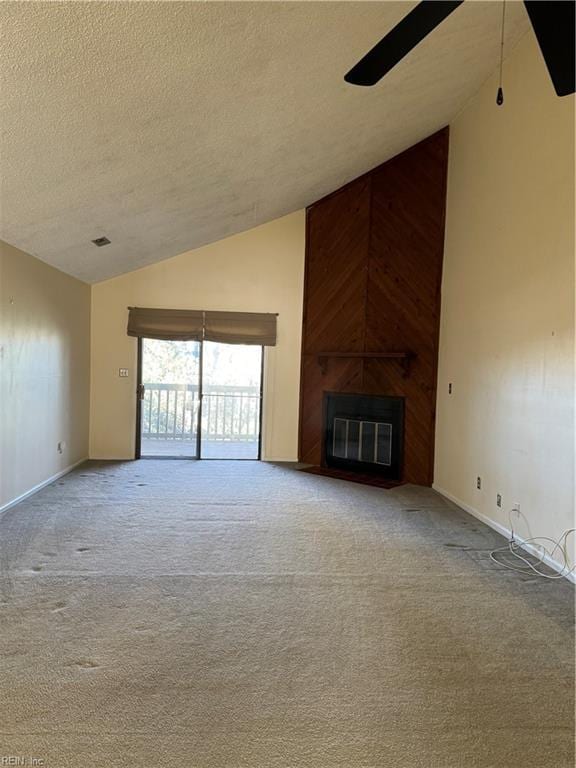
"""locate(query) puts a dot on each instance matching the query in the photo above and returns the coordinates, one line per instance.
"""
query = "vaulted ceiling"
(168, 125)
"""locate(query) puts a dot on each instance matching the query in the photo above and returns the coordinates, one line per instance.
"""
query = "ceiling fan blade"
(399, 41)
(553, 23)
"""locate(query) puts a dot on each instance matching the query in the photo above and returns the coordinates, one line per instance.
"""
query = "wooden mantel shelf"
(404, 358)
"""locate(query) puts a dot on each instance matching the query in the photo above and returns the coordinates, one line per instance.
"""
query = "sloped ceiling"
(168, 125)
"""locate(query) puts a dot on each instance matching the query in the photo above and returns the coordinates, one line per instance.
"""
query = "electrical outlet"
(479, 483)
(123, 373)
(498, 500)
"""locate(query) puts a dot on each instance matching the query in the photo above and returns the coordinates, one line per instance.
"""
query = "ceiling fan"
(553, 22)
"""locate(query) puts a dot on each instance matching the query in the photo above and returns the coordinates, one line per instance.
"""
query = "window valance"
(258, 328)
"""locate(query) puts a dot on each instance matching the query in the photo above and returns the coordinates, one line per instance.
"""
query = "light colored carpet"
(244, 615)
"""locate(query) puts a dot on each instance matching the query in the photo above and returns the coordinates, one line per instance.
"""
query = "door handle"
(140, 391)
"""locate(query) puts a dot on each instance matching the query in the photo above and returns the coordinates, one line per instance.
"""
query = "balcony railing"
(170, 412)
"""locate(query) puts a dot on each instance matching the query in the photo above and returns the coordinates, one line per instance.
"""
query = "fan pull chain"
(500, 94)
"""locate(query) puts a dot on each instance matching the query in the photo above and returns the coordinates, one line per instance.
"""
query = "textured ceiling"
(168, 125)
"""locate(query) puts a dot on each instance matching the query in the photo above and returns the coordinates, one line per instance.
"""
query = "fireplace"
(364, 433)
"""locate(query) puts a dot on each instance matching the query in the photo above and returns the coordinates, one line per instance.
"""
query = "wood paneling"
(337, 245)
(373, 272)
(337, 239)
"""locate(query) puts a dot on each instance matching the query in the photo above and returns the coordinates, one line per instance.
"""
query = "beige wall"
(507, 328)
(261, 270)
(44, 372)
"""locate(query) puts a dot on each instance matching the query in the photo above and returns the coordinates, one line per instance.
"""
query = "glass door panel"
(170, 406)
(231, 401)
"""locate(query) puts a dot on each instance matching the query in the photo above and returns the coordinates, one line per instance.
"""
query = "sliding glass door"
(231, 401)
(199, 400)
(170, 398)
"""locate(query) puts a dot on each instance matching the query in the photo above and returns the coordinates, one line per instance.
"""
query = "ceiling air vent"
(100, 241)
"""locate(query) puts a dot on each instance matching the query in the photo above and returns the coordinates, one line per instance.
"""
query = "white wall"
(261, 270)
(44, 372)
(507, 325)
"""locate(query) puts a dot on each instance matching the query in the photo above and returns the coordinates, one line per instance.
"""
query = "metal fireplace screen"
(367, 441)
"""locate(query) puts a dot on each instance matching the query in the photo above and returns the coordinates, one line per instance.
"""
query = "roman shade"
(257, 328)
(241, 328)
(167, 324)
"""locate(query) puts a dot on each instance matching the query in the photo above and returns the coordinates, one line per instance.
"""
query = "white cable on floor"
(513, 548)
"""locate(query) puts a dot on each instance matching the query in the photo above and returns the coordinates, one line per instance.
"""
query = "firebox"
(364, 433)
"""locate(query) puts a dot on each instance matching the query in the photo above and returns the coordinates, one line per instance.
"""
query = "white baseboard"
(41, 485)
(506, 532)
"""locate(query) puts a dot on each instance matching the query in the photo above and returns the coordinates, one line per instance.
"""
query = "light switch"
(123, 372)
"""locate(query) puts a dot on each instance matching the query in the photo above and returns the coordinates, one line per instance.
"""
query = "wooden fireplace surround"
(372, 297)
